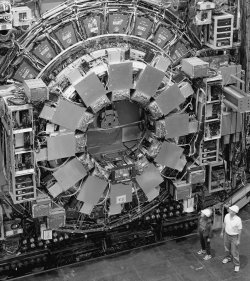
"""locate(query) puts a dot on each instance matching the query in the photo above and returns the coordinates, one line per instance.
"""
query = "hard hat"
(234, 208)
(207, 212)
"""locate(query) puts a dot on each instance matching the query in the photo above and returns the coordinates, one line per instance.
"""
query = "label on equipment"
(121, 199)
(47, 234)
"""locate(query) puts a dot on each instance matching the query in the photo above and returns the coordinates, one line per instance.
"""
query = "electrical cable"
(73, 194)
(106, 196)
(3, 142)
(56, 168)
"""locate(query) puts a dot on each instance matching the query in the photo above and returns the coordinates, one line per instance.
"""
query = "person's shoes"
(201, 252)
(207, 257)
(236, 268)
(226, 260)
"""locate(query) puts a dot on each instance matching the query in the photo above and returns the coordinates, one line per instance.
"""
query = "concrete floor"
(170, 261)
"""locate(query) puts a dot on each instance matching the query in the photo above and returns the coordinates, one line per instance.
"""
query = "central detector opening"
(116, 130)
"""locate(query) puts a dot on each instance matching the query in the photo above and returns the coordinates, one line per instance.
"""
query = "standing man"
(231, 231)
(205, 233)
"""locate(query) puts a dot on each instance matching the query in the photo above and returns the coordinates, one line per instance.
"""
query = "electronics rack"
(216, 176)
(209, 148)
(19, 132)
(220, 35)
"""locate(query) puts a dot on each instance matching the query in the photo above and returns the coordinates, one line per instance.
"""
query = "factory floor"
(169, 261)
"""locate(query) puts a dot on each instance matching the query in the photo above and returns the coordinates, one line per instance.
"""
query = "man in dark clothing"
(205, 233)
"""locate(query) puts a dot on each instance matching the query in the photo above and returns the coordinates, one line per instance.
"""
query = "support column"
(245, 39)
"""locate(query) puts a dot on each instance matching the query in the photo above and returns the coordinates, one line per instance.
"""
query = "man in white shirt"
(231, 231)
